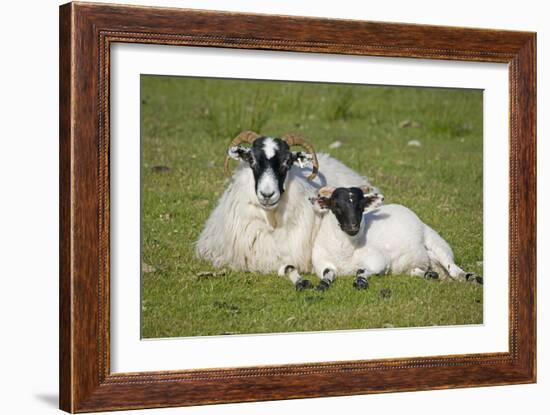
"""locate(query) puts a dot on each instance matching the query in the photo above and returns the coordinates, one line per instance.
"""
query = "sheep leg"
(326, 281)
(441, 253)
(362, 279)
(458, 273)
(429, 274)
(373, 263)
(454, 271)
(294, 276)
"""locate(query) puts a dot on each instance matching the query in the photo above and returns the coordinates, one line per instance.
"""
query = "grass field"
(186, 126)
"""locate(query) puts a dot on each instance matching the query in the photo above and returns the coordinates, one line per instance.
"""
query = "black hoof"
(360, 283)
(431, 275)
(303, 285)
(323, 285)
(471, 277)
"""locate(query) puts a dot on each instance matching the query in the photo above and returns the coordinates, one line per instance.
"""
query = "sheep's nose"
(351, 228)
(267, 195)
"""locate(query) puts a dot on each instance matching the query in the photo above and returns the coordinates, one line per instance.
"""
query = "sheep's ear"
(326, 191)
(302, 159)
(323, 200)
(240, 153)
(320, 204)
(372, 201)
(366, 189)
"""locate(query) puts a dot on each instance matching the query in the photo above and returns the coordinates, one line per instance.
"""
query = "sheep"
(264, 222)
(359, 235)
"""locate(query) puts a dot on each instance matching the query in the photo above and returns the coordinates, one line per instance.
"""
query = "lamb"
(264, 222)
(359, 235)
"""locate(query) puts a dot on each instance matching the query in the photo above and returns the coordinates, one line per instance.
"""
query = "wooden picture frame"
(86, 33)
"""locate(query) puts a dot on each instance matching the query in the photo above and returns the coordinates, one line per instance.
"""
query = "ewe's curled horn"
(298, 140)
(243, 137)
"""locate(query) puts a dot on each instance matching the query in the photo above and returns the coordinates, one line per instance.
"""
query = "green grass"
(186, 126)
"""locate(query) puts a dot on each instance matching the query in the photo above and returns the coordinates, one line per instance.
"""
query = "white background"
(129, 354)
(29, 208)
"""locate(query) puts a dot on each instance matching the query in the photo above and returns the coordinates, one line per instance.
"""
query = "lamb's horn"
(243, 137)
(298, 140)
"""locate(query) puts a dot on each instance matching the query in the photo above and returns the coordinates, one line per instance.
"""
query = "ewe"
(358, 235)
(264, 222)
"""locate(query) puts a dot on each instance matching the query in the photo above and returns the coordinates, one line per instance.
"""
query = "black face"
(348, 205)
(270, 160)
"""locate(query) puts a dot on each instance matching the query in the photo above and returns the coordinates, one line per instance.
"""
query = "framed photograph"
(258, 207)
